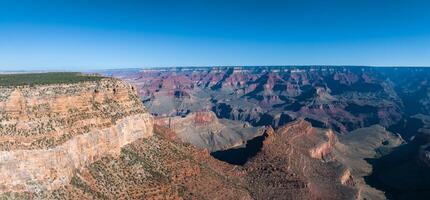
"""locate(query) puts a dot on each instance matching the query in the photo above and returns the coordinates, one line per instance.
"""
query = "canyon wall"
(49, 132)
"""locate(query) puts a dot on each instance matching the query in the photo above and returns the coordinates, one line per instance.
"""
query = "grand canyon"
(311, 132)
(214, 100)
(302, 132)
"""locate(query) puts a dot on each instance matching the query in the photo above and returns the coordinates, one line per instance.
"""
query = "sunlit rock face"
(48, 132)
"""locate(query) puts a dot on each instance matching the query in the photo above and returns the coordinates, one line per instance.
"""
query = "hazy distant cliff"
(49, 131)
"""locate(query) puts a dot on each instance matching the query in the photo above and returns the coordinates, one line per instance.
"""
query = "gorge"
(219, 132)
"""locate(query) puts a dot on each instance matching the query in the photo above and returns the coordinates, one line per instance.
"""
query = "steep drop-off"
(48, 132)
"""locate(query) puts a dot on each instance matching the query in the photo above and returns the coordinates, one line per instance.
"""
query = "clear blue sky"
(76, 35)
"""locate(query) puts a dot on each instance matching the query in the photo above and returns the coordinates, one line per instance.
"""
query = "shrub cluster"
(45, 78)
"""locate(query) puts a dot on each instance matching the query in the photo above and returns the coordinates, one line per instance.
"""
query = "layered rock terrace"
(48, 132)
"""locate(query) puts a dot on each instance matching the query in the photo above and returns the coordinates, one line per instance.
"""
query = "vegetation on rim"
(45, 78)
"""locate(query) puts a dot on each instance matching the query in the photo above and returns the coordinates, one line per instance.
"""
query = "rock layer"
(42, 117)
(47, 169)
(49, 132)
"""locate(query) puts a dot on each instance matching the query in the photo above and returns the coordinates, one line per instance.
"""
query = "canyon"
(217, 133)
(384, 107)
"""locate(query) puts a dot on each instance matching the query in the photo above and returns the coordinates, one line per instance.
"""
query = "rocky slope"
(204, 130)
(355, 148)
(299, 161)
(151, 168)
(48, 132)
(404, 173)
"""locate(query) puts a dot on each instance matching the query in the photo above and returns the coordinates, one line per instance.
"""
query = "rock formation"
(299, 161)
(48, 132)
(203, 129)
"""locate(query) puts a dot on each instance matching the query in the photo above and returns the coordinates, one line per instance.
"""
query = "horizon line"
(207, 66)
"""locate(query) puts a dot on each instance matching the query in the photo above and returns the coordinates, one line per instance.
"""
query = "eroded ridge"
(297, 162)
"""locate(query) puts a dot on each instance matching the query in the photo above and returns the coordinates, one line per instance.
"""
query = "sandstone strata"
(49, 132)
(151, 168)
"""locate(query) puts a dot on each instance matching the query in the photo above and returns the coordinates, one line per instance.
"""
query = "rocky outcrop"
(324, 148)
(47, 169)
(45, 116)
(347, 178)
(294, 163)
(204, 130)
(49, 132)
(300, 161)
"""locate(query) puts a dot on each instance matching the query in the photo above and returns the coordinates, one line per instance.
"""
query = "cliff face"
(48, 132)
(151, 168)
